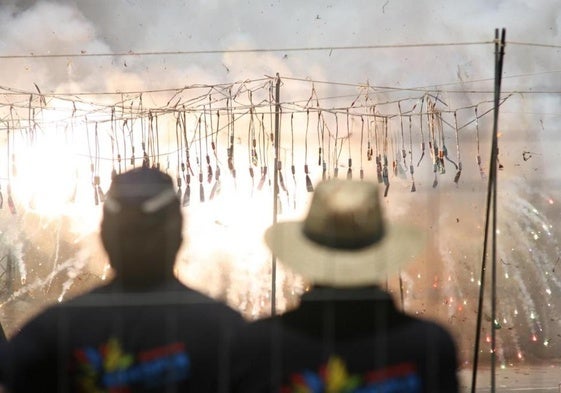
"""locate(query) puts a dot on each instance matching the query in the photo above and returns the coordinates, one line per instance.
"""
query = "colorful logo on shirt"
(108, 369)
(333, 377)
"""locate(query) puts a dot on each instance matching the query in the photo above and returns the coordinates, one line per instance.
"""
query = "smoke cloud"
(529, 142)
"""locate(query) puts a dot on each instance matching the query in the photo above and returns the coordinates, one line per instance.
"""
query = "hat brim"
(323, 265)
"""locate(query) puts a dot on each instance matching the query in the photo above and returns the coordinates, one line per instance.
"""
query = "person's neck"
(142, 282)
(322, 292)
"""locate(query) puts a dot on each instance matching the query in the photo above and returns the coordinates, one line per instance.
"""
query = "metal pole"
(275, 193)
(499, 53)
(491, 202)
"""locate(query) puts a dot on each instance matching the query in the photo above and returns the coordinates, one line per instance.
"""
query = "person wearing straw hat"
(346, 335)
(142, 332)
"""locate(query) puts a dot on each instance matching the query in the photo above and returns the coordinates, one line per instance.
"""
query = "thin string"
(118, 149)
(262, 152)
(309, 185)
(478, 157)
(188, 169)
(320, 139)
(350, 160)
(411, 167)
(145, 158)
(230, 149)
(403, 152)
(444, 148)
(385, 171)
(214, 145)
(361, 145)
(282, 184)
(252, 144)
(335, 152)
(422, 134)
(131, 135)
(325, 153)
(459, 166)
(433, 148)
(149, 151)
(207, 156)
(180, 164)
(292, 168)
(200, 159)
(157, 137)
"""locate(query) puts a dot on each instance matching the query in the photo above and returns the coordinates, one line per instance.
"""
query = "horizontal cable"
(537, 45)
(252, 50)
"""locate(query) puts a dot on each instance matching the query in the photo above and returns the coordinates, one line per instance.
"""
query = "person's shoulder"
(94, 296)
(184, 290)
(431, 325)
(187, 296)
(434, 331)
(3, 338)
(261, 327)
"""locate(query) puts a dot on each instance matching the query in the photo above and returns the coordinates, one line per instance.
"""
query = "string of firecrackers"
(219, 112)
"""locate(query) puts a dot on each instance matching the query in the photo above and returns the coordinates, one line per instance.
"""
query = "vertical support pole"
(499, 55)
(275, 193)
(491, 210)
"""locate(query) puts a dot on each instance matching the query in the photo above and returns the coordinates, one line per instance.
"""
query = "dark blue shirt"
(170, 338)
(345, 341)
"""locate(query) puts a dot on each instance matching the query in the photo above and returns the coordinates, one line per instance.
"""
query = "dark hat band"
(341, 240)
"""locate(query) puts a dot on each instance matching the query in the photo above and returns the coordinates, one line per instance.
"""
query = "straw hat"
(343, 241)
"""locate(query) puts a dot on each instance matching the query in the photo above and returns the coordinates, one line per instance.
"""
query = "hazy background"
(443, 283)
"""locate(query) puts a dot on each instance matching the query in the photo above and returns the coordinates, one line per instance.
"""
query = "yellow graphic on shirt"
(114, 358)
(338, 378)
(334, 377)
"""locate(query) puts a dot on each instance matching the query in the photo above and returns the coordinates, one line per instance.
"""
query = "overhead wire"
(249, 50)
(330, 48)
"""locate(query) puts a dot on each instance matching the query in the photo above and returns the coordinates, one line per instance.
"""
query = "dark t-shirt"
(168, 339)
(344, 341)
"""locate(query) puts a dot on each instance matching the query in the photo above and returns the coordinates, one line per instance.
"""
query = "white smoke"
(528, 123)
